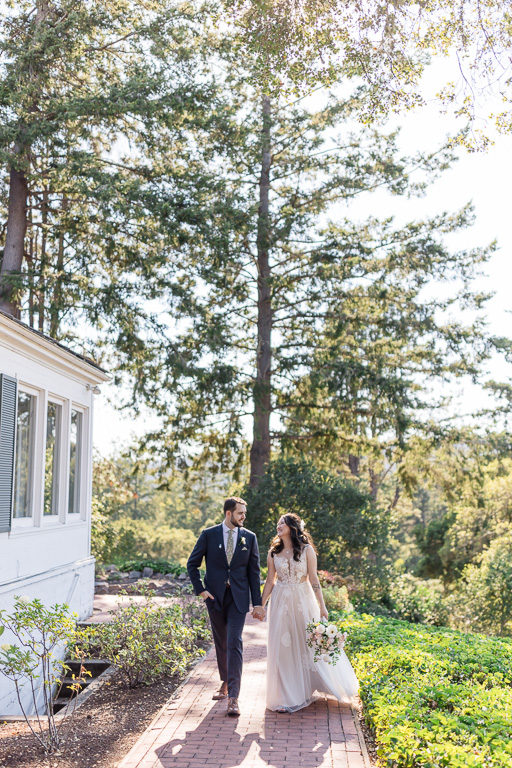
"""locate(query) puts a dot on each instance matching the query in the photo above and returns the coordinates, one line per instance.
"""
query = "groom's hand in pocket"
(205, 595)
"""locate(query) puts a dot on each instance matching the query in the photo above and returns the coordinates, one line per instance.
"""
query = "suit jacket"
(243, 572)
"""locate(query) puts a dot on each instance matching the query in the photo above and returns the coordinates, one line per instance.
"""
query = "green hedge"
(159, 565)
(433, 696)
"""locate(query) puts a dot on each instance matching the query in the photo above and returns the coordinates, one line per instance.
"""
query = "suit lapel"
(220, 542)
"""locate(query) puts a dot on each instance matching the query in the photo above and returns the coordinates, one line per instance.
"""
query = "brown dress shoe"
(233, 709)
(222, 693)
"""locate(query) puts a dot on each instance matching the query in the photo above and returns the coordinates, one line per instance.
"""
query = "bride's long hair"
(300, 537)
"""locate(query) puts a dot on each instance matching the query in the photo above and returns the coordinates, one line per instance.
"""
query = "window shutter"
(8, 408)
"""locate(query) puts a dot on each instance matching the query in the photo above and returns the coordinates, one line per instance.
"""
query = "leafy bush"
(159, 565)
(147, 641)
(103, 534)
(139, 539)
(483, 597)
(40, 635)
(434, 697)
(336, 599)
(418, 601)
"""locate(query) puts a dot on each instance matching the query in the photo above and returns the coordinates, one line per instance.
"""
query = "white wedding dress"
(293, 678)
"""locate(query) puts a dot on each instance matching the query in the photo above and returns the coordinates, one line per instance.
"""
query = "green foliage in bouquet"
(434, 697)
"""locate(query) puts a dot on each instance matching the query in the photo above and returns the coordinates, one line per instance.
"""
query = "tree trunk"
(353, 463)
(14, 242)
(260, 450)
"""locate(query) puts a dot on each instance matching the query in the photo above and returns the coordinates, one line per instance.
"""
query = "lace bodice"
(290, 571)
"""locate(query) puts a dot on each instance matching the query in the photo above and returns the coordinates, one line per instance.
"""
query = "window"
(52, 458)
(75, 462)
(24, 458)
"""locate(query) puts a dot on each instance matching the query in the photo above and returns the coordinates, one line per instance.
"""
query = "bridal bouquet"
(325, 640)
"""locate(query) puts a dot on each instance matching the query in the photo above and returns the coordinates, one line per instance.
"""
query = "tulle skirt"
(294, 679)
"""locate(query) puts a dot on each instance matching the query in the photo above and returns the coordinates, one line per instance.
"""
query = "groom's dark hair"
(230, 504)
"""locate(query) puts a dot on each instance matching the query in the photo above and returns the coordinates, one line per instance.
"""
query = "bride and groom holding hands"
(232, 577)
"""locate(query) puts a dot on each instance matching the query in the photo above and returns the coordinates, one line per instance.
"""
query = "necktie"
(230, 546)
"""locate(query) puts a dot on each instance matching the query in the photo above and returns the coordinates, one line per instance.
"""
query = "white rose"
(24, 599)
(5, 646)
(320, 629)
(325, 657)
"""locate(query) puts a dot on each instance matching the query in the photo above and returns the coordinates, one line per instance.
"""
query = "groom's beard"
(236, 524)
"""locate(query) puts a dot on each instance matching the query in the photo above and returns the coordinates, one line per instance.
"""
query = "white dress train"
(294, 679)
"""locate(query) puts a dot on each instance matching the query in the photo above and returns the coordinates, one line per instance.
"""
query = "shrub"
(159, 565)
(114, 540)
(433, 696)
(147, 641)
(418, 601)
(483, 597)
(336, 599)
(103, 533)
(41, 635)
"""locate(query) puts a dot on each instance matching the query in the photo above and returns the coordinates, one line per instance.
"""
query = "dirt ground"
(100, 733)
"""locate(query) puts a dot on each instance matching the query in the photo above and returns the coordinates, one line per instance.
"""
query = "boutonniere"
(243, 541)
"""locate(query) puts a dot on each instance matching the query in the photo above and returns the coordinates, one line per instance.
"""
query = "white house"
(46, 412)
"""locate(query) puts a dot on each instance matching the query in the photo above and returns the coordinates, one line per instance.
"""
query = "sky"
(481, 178)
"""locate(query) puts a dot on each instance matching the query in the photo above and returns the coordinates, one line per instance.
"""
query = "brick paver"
(192, 731)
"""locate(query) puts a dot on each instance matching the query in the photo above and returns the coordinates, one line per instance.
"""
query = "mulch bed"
(100, 733)
(369, 736)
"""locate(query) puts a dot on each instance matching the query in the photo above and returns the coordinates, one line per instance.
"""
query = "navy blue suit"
(231, 602)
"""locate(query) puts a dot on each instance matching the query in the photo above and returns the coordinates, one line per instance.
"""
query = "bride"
(293, 677)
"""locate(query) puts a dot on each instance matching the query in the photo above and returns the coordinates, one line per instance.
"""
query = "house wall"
(72, 584)
(48, 556)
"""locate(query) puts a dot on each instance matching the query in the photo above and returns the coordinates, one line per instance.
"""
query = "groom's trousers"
(227, 627)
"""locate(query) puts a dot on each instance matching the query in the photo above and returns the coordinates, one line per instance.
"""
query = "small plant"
(41, 634)
(146, 641)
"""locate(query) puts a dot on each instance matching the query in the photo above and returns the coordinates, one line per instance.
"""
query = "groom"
(232, 573)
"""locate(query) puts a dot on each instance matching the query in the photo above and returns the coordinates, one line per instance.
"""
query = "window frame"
(31, 520)
(73, 517)
(59, 517)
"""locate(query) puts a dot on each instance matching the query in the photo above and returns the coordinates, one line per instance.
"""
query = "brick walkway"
(192, 731)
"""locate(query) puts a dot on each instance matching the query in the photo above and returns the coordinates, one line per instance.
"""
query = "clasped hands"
(258, 612)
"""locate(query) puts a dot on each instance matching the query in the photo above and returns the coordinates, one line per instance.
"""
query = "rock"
(123, 575)
(111, 568)
(135, 574)
(101, 588)
(159, 576)
(113, 576)
(183, 576)
(147, 573)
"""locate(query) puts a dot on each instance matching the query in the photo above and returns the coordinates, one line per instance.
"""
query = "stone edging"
(362, 742)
